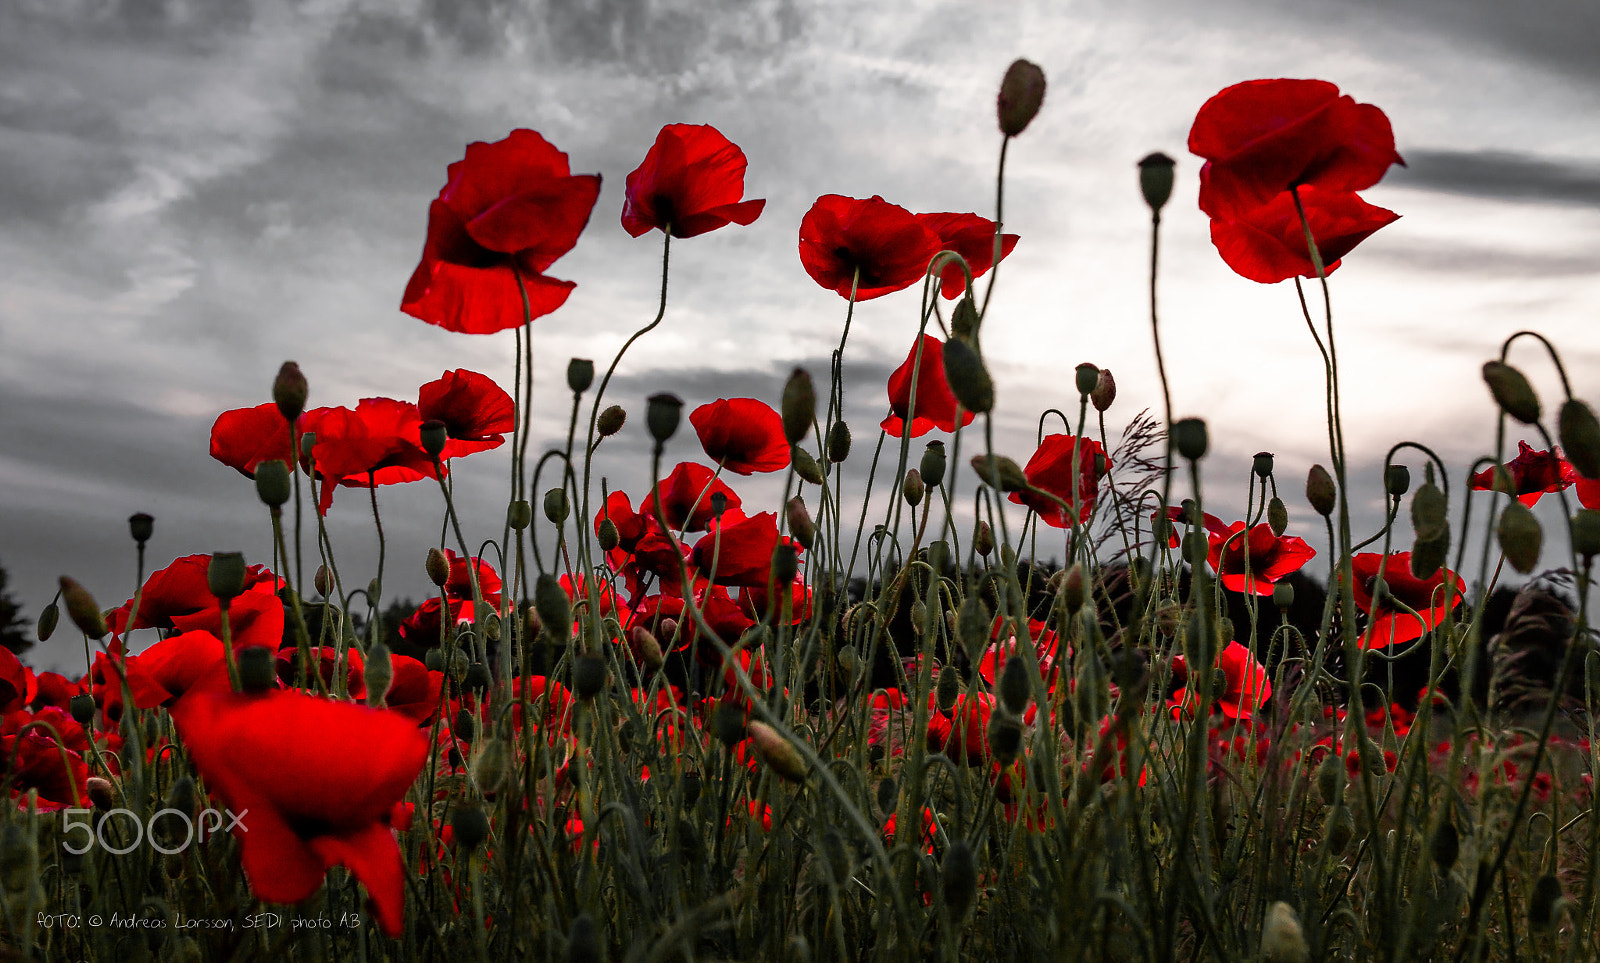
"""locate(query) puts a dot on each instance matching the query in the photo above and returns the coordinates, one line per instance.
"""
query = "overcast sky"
(193, 192)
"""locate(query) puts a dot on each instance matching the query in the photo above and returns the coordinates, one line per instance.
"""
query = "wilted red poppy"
(970, 236)
(1534, 473)
(936, 405)
(1254, 562)
(742, 549)
(376, 444)
(742, 434)
(691, 180)
(245, 437)
(1268, 244)
(1263, 137)
(511, 204)
(886, 244)
(689, 486)
(1050, 470)
(1432, 598)
(316, 782)
(476, 412)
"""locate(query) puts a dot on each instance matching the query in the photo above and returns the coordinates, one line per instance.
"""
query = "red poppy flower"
(1050, 470)
(742, 549)
(1254, 562)
(886, 244)
(1179, 524)
(936, 405)
(754, 600)
(690, 486)
(1246, 686)
(742, 434)
(39, 766)
(1534, 473)
(1588, 492)
(968, 728)
(376, 444)
(422, 626)
(1268, 244)
(1433, 598)
(691, 181)
(721, 613)
(14, 681)
(53, 689)
(970, 236)
(245, 437)
(316, 782)
(414, 691)
(476, 412)
(512, 204)
(177, 665)
(179, 597)
(1046, 644)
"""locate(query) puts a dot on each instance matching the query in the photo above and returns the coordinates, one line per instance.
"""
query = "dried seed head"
(1397, 480)
(1262, 465)
(662, 413)
(580, 375)
(141, 526)
(1155, 179)
(556, 505)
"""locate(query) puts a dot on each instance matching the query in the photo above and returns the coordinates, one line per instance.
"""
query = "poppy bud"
(1282, 940)
(1087, 377)
(82, 609)
(785, 564)
(588, 675)
(805, 466)
(646, 647)
(550, 601)
(777, 752)
(888, 794)
(1105, 391)
(101, 792)
(608, 535)
(1428, 555)
(661, 415)
(580, 375)
(1511, 391)
(1445, 847)
(1072, 594)
(1189, 437)
(1580, 437)
(477, 678)
(322, 581)
(1008, 472)
(46, 626)
(1277, 516)
(434, 436)
(289, 391)
(437, 566)
(799, 406)
(1585, 536)
(983, 539)
(912, 489)
(308, 443)
(1320, 491)
(800, 523)
(1428, 512)
(272, 484)
(938, 554)
(611, 421)
(583, 941)
(958, 879)
(1397, 480)
(969, 380)
(1262, 464)
(258, 669)
(555, 505)
(933, 464)
(948, 688)
(964, 319)
(140, 526)
(1155, 180)
(492, 766)
(728, 724)
(378, 673)
(1013, 687)
(919, 616)
(1021, 93)
(374, 589)
(1520, 537)
(82, 708)
(519, 514)
(1283, 595)
(1542, 907)
(465, 725)
(469, 825)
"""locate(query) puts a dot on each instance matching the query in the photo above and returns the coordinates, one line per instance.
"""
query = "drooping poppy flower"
(1268, 244)
(476, 412)
(689, 486)
(843, 236)
(1432, 598)
(316, 781)
(739, 551)
(742, 434)
(1050, 470)
(508, 209)
(691, 181)
(1533, 473)
(245, 437)
(970, 236)
(376, 444)
(936, 404)
(1253, 562)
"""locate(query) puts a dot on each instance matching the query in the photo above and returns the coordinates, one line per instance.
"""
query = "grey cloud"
(1501, 175)
(1485, 261)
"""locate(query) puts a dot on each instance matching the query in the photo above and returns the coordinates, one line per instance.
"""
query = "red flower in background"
(179, 597)
(936, 405)
(39, 765)
(742, 548)
(1245, 687)
(476, 412)
(1268, 244)
(15, 682)
(840, 236)
(691, 181)
(1050, 470)
(1533, 473)
(689, 486)
(376, 444)
(1270, 557)
(1432, 598)
(743, 434)
(1180, 524)
(970, 236)
(508, 208)
(245, 437)
(422, 626)
(317, 782)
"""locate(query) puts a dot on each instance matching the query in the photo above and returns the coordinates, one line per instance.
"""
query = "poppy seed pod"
(588, 675)
(1087, 377)
(491, 767)
(272, 483)
(1282, 940)
(969, 380)
(469, 826)
(46, 625)
(142, 526)
(799, 406)
(1585, 534)
(1261, 465)
(912, 489)
(662, 413)
(1190, 438)
(554, 609)
(580, 375)
(258, 669)
(1277, 516)
(82, 609)
(1397, 480)
(838, 442)
(82, 708)
(519, 514)
(958, 878)
(308, 443)
(1105, 391)
(1511, 391)
(805, 466)
(1283, 595)
(1021, 94)
(1320, 491)
(556, 506)
(434, 435)
(611, 421)
(933, 464)
(777, 752)
(1428, 512)
(289, 391)
(1155, 179)
(1428, 554)
(1008, 472)
(801, 526)
(1520, 537)
(1580, 437)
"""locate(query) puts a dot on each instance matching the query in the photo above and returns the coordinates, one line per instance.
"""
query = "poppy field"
(990, 705)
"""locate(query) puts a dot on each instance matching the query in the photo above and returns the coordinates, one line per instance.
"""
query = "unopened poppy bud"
(1445, 847)
(611, 421)
(964, 319)
(1330, 779)
(1013, 685)
(181, 796)
(785, 564)
(225, 575)
(434, 436)
(1428, 512)
(728, 723)
(969, 379)
(1262, 464)
(958, 879)
(378, 673)
(1542, 906)
(82, 609)
(580, 375)
(588, 675)
(1190, 438)
(805, 466)
(983, 539)
(556, 506)
(800, 523)
(469, 826)
(912, 489)
(1072, 593)
(799, 406)
(1511, 391)
(1004, 737)
(1155, 180)
(308, 444)
(646, 648)
(1283, 595)
(608, 535)
(777, 752)
(1397, 480)
(933, 464)
(1021, 94)
(101, 792)
(272, 483)
(82, 708)
(668, 629)
(141, 526)
(1277, 516)
(1087, 377)
(662, 414)
(554, 609)
(437, 566)
(1282, 940)
(1320, 491)
(1105, 391)
(289, 391)
(46, 625)
(1585, 535)
(1580, 437)
(948, 688)
(477, 678)
(583, 941)
(992, 468)
(1428, 554)
(1520, 537)
(258, 669)
(322, 581)
(838, 448)
(492, 766)
(465, 725)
